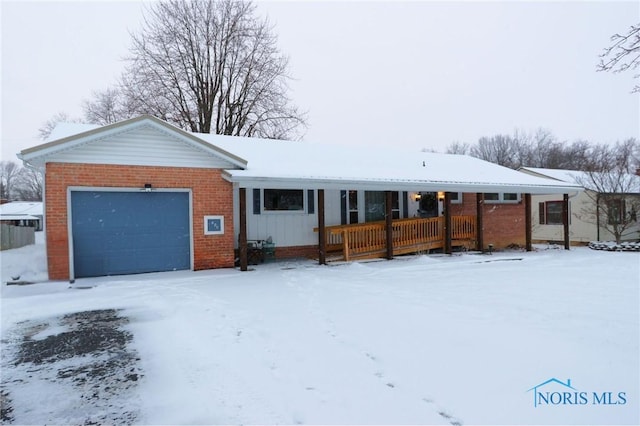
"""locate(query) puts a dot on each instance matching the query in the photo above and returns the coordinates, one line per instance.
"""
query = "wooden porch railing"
(368, 240)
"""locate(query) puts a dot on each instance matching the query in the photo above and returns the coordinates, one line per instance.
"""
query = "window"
(374, 205)
(456, 197)
(615, 212)
(501, 197)
(550, 213)
(283, 200)
(353, 206)
(395, 205)
(374, 208)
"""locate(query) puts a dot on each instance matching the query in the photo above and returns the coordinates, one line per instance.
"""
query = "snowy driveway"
(422, 340)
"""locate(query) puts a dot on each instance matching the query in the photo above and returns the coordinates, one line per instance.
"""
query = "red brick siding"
(308, 252)
(211, 195)
(503, 223)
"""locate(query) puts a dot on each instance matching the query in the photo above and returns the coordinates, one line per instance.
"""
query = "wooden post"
(527, 222)
(389, 223)
(345, 245)
(448, 249)
(322, 233)
(479, 220)
(243, 229)
(565, 220)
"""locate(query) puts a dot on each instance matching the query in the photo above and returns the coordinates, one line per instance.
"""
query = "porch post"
(447, 223)
(322, 236)
(243, 229)
(527, 221)
(565, 220)
(389, 223)
(479, 221)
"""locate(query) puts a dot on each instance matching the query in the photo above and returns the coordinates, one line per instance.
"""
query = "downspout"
(598, 216)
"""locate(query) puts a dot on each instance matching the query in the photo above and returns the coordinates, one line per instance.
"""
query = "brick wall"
(503, 223)
(307, 252)
(211, 195)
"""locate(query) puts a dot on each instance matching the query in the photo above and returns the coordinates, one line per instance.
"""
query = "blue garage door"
(129, 232)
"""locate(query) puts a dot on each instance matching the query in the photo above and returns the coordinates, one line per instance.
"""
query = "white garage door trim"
(71, 189)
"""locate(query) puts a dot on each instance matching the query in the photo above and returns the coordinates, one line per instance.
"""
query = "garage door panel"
(130, 232)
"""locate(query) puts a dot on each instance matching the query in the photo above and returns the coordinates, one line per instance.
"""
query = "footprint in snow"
(452, 421)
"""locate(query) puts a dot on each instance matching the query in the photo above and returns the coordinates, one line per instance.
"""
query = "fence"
(16, 236)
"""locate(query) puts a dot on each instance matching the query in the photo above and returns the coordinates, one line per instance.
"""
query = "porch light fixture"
(147, 187)
(418, 196)
(440, 196)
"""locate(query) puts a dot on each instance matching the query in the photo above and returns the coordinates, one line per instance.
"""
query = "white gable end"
(144, 145)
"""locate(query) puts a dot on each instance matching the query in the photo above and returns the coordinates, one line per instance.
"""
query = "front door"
(428, 204)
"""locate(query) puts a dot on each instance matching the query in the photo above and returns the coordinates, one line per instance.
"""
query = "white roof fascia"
(38, 154)
(392, 185)
(18, 217)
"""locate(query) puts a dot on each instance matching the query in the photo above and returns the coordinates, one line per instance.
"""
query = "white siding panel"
(144, 146)
(582, 227)
(287, 229)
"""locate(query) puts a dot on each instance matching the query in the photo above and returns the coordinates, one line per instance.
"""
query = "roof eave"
(284, 182)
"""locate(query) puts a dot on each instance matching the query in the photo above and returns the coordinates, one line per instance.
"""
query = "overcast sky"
(412, 74)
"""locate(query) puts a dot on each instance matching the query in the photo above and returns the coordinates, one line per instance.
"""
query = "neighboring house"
(142, 195)
(587, 222)
(22, 213)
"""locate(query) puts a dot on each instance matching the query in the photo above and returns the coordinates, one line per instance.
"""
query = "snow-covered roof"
(314, 165)
(628, 182)
(286, 164)
(21, 208)
(63, 130)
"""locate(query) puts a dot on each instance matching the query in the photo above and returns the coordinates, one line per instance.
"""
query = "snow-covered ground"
(416, 340)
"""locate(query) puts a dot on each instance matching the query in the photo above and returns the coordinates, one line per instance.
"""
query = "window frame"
(456, 200)
(302, 210)
(501, 198)
(546, 212)
(543, 212)
(621, 206)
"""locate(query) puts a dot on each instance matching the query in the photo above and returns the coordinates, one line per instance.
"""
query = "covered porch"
(392, 237)
(375, 224)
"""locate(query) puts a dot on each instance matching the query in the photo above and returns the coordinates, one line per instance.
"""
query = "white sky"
(416, 74)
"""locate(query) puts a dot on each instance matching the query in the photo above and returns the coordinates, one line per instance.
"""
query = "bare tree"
(623, 54)
(461, 148)
(9, 173)
(106, 107)
(499, 149)
(29, 185)
(19, 183)
(208, 66)
(539, 148)
(613, 189)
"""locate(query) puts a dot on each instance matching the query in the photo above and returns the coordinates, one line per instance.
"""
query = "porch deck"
(414, 235)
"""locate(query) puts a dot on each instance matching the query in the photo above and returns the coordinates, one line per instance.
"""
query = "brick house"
(142, 195)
